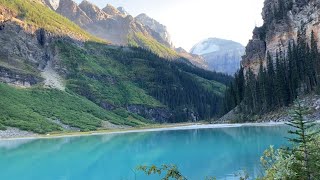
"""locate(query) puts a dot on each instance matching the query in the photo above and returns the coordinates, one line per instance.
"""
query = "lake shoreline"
(164, 127)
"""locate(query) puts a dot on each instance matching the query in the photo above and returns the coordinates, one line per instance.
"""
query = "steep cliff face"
(23, 55)
(283, 19)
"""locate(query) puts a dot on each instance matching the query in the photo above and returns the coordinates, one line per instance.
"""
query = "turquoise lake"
(218, 152)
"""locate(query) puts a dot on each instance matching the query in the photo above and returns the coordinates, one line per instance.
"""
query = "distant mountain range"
(220, 55)
(117, 26)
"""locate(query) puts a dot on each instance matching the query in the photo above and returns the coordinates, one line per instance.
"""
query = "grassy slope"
(29, 109)
(140, 40)
(33, 13)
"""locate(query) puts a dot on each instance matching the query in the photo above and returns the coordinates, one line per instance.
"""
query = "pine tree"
(314, 56)
(270, 82)
(302, 138)
(293, 72)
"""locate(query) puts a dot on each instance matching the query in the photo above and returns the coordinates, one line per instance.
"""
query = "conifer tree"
(302, 137)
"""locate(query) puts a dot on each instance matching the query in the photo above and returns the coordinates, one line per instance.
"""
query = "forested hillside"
(293, 72)
(116, 77)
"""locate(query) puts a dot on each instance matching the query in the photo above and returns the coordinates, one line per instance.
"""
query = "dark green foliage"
(306, 162)
(234, 95)
(285, 77)
(2, 127)
(122, 76)
(172, 172)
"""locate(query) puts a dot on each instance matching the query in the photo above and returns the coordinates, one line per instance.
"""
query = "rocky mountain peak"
(155, 26)
(111, 10)
(93, 11)
(123, 11)
(70, 9)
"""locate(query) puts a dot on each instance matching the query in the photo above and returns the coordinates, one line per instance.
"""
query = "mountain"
(54, 76)
(115, 25)
(220, 55)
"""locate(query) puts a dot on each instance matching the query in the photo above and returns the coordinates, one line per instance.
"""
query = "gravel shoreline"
(27, 135)
(14, 133)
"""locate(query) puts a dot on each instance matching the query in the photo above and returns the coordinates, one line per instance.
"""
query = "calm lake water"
(219, 152)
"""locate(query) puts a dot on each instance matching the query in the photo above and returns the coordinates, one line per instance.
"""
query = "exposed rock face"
(160, 115)
(281, 27)
(255, 52)
(17, 78)
(157, 27)
(221, 55)
(24, 55)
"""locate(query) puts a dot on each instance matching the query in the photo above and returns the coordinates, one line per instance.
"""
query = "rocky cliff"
(283, 19)
(25, 52)
(220, 55)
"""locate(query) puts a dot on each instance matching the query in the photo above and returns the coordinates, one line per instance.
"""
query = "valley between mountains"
(67, 67)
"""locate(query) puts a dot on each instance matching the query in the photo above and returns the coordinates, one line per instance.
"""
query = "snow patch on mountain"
(205, 47)
(53, 3)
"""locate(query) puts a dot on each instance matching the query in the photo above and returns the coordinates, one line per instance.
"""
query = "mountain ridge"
(119, 27)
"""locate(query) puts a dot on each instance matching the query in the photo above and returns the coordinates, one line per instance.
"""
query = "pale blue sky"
(190, 21)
